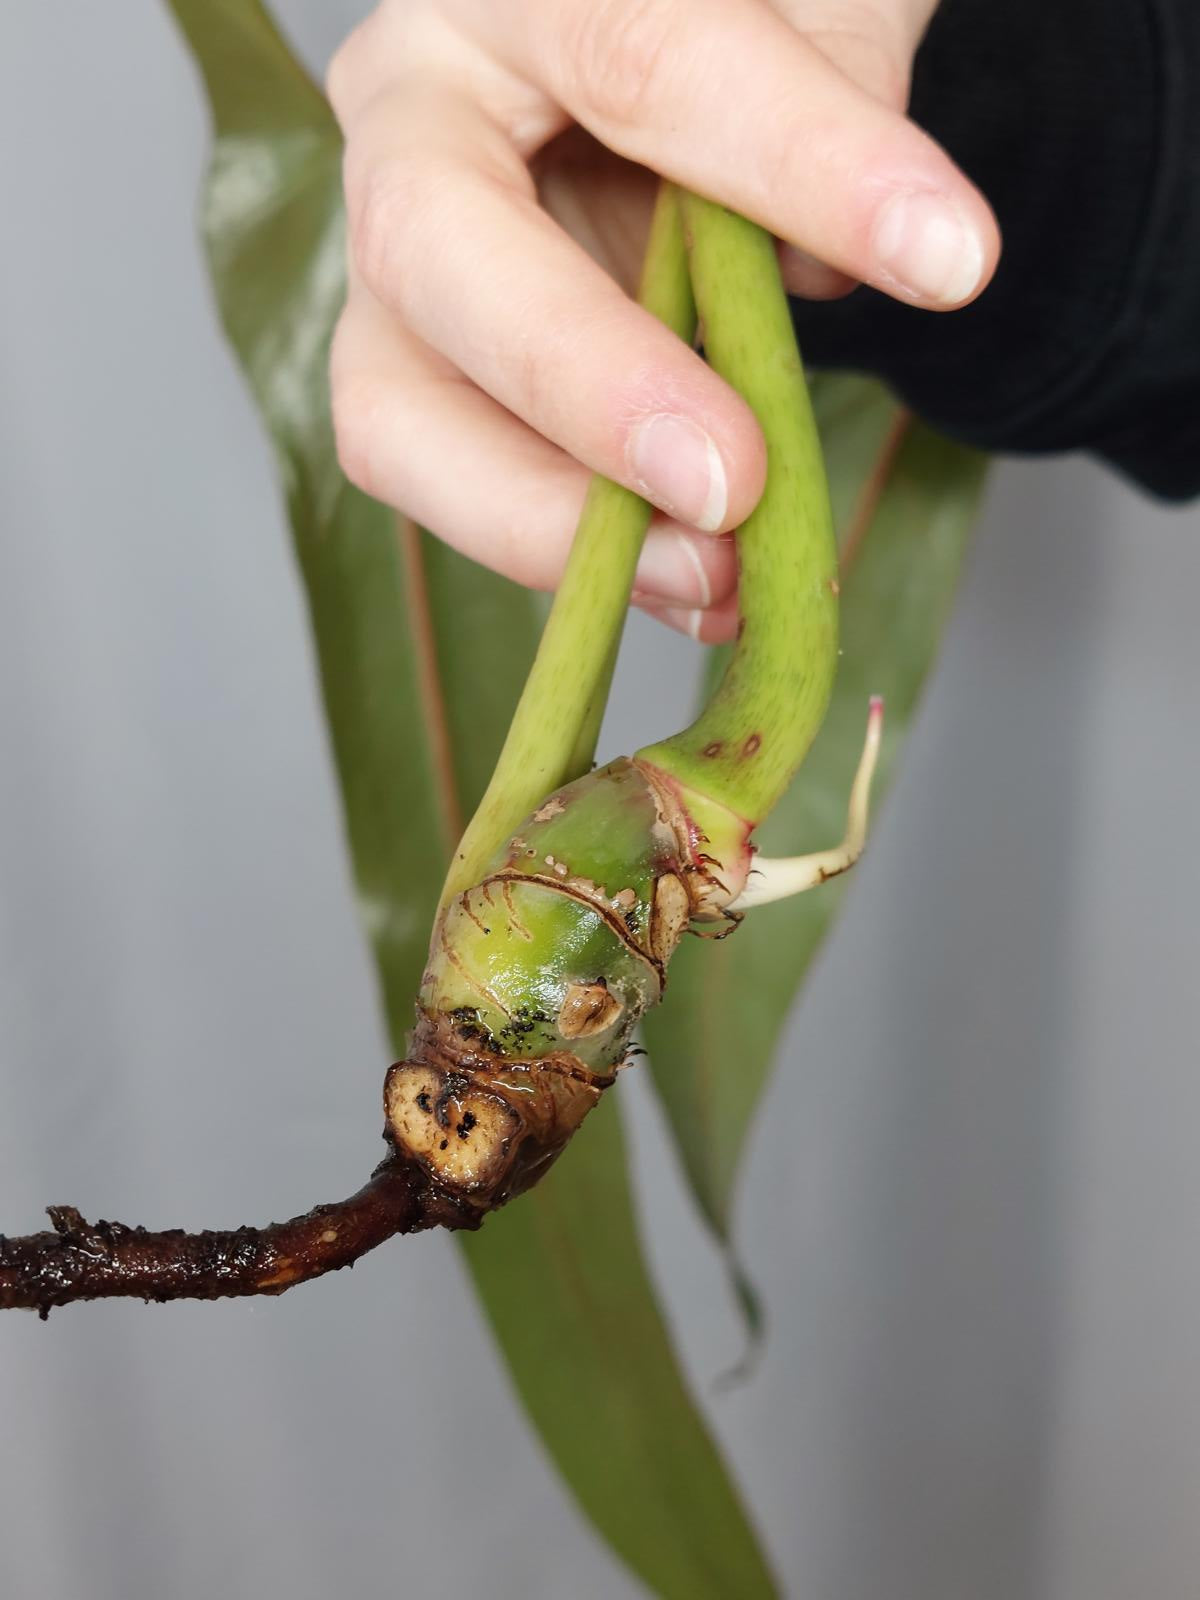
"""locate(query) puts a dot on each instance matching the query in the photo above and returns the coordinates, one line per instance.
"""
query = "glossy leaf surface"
(420, 658)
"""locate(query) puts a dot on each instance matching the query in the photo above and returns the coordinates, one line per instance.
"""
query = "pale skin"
(500, 161)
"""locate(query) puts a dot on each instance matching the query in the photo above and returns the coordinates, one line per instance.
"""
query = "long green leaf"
(416, 720)
(635, 1451)
(904, 501)
(275, 231)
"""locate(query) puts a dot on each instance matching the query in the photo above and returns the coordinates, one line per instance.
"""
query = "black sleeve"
(1080, 121)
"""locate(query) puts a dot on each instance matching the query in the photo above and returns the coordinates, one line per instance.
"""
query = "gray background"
(982, 1265)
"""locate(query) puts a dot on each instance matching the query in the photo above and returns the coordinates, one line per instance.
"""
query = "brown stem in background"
(872, 489)
(92, 1261)
(430, 688)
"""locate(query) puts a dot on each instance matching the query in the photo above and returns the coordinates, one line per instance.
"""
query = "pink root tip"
(876, 705)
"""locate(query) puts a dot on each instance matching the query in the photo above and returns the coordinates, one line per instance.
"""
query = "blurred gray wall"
(973, 1205)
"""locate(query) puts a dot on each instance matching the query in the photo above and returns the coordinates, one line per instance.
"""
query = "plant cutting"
(420, 658)
(557, 922)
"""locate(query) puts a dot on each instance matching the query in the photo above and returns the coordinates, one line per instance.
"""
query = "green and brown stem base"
(548, 950)
(539, 974)
(537, 979)
(495, 1084)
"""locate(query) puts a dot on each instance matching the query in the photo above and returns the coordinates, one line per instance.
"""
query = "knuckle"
(388, 207)
(357, 401)
(349, 73)
(337, 77)
(617, 51)
(373, 54)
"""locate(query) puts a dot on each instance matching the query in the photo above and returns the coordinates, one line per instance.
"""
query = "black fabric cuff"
(1080, 122)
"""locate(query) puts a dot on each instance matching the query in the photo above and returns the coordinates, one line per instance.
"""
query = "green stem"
(742, 750)
(553, 733)
(584, 753)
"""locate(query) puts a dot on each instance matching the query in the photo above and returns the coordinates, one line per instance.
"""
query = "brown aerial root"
(92, 1261)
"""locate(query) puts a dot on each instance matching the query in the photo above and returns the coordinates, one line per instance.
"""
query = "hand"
(499, 175)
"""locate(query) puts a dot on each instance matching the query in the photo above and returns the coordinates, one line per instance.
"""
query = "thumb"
(873, 46)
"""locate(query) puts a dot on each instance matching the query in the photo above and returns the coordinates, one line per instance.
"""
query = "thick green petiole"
(742, 750)
(554, 729)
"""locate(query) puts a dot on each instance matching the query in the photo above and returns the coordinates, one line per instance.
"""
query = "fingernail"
(673, 569)
(923, 242)
(677, 465)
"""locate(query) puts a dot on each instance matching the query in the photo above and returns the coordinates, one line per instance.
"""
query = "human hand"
(499, 176)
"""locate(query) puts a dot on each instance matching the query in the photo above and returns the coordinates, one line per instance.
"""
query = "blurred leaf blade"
(904, 502)
(275, 231)
(638, 1456)
(420, 659)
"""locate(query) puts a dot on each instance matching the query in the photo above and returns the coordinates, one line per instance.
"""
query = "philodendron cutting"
(571, 889)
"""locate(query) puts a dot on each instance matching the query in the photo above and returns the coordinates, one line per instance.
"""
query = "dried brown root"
(91, 1261)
